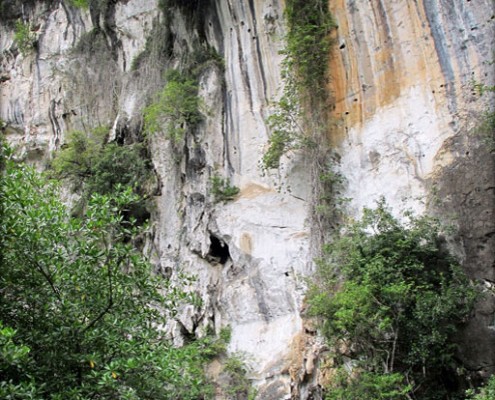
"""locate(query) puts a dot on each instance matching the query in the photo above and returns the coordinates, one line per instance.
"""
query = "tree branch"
(110, 296)
(48, 278)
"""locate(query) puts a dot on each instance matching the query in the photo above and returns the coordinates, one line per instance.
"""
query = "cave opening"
(219, 251)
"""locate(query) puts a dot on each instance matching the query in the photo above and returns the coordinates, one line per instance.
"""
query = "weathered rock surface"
(405, 109)
(403, 80)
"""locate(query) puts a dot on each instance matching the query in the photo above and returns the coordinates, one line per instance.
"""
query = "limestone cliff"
(404, 79)
(403, 126)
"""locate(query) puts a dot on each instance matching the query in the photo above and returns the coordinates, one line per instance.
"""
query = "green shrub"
(286, 131)
(367, 385)
(88, 162)
(391, 296)
(84, 4)
(202, 57)
(176, 109)
(120, 165)
(79, 155)
(24, 37)
(485, 393)
(238, 385)
(222, 190)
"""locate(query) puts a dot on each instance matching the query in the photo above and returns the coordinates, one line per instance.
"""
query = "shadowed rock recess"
(404, 124)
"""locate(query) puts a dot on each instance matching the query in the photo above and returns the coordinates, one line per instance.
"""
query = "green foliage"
(12, 358)
(11, 354)
(307, 49)
(202, 57)
(238, 385)
(222, 190)
(96, 6)
(119, 165)
(84, 4)
(485, 393)
(308, 43)
(176, 109)
(86, 159)
(391, 298)
(78, 156)
(486, 126)
(83, 308)
(24, 37)
(286, 131)
(367, 385)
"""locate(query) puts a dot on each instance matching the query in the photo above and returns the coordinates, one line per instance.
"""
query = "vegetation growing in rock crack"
(222, 190)
(176, 108)
(331, 203)
(81, 312)
(237, 384)
(486, 126)
(84, 4)
(305, 67)
(96, 6)
(390, 298)
(24, 37)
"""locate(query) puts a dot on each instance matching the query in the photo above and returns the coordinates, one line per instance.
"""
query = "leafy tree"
(119, 165)
(87, 161)
(84, 4)
(78, 157)
(12, 359)
(82, 311)
(391, 298)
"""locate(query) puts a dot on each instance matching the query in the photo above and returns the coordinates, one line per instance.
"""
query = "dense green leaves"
(367, 386)
(176, 108)
(82, 311)
(485, 393)
(88, 162)
(308, 43)
(391, 298)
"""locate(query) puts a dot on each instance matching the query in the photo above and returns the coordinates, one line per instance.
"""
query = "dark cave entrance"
(219, 251)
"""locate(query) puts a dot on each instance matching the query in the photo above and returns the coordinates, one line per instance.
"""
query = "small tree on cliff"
(391, 298)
